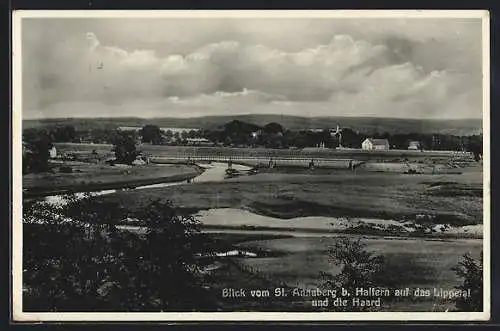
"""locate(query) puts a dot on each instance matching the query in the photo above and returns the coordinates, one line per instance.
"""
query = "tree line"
(271, 135)
(232, 134)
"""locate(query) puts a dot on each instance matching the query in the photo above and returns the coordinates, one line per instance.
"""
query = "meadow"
(412, 263)
(87, 177)
(378, 189)
(450, 198)
(164, 151)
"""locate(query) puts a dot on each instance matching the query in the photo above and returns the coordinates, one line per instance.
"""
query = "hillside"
(368, 125)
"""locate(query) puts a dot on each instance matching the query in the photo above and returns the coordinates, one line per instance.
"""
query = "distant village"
(194, 137)
(241, 134)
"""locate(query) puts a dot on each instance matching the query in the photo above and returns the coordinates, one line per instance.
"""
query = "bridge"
(303, 162)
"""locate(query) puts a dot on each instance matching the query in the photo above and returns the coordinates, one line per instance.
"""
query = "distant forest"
(367, 125)
(238, 133)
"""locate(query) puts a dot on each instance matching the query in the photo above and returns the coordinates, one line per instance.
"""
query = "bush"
(360, 268)
(88, 264)
(471, 271)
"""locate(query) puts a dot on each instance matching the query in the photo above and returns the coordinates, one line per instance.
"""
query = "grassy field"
(410, 263)
(451, 198)
(185, 151)
(90, 177)
(297, 262)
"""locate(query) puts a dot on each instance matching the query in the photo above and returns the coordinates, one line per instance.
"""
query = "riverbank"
(330, 226)
(95, 177)
(237, 221)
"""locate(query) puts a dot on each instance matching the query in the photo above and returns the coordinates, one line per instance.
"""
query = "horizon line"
(257, 114)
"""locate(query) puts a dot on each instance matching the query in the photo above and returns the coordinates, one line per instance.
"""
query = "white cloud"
(344, 76)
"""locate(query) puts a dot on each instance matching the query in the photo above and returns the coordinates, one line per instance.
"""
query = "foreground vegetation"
(172, 266)
(102, 269)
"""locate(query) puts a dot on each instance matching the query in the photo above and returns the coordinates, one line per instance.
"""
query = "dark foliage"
(124, 147)
(65, 133)
(151, 134)
(36, 151)
(274, 135)
(471, 272)
(88, 264)
(360, 268)
(475, 146)
(273, 128)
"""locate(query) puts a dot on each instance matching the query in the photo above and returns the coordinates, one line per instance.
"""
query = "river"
(238, 220)
(213, 172)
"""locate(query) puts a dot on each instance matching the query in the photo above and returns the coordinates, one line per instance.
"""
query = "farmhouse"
(375, 144)
(53, 152)
(198, 142)
(172, 130)
(414, 145)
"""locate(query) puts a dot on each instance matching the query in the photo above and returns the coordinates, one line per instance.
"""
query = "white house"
(53, 152)
(198, 142)
(375, 144)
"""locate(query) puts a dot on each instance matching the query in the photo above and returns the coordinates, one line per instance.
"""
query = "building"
(375, 144)
(26, 149)
(138, 161)
(53, 152)
(198, 142)
(130, 128)
(414, 145)
(172, 130)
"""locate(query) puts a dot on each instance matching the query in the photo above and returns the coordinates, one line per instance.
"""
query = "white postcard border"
(17, 242)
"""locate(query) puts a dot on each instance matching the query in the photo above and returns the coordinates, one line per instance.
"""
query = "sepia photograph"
(250, 165)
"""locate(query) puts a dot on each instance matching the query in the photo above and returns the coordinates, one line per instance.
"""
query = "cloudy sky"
(173, 67)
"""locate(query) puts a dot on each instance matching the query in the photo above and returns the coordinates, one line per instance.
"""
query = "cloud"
(343, 76)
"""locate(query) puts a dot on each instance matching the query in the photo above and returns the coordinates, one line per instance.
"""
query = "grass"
(377, 195)
(91, 177)
(410, 263)
(185, 151)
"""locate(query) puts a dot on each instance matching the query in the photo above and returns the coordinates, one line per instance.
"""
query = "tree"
(169, 134)
(239, 132)
(37, 146)
(172, 240)
(177, 136)
(475, 146)
(359, 268)
(66, 133)
(151, 134)
(273, 127)
(124, 148)
(103, 268)
(471, 271)
(64, 279)
(351, 138)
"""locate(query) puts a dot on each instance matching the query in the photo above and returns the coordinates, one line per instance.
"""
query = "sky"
(185, 67)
